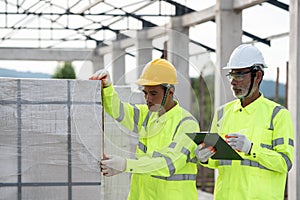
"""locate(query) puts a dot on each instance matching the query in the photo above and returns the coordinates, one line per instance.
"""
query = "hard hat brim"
(240, 67)
(235, 67)
(151, 83)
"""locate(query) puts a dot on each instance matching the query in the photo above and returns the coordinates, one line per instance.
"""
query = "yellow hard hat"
(157, 72)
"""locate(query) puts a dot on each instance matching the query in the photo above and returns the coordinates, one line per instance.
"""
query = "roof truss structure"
(87, 23)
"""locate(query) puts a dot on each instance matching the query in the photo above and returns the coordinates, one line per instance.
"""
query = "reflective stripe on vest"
(252, 163)
(287, 161)
(172, 145)
(275, 142)
(145, 122)
(185, 152)
(275, 111)
(291, 142)
(121, 115)
(136, 117)
(168, 160)
(181, 121)
(243, 162)
(225, 162)
(142, 147)
(178, 177)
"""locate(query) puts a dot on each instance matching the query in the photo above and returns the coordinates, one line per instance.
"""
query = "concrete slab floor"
(205, 195)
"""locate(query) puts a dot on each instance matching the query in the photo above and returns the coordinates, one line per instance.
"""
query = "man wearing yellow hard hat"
(165, 165)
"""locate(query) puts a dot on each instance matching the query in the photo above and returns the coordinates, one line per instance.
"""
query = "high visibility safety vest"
(165, 167)
(262, 174)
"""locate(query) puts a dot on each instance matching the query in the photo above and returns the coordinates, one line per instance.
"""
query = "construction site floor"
(204, 195)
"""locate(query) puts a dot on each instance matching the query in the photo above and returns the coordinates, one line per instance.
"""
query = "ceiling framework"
(90, 24)
(53, 23)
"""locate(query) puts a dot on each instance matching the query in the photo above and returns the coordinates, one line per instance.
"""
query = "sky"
(263, 20)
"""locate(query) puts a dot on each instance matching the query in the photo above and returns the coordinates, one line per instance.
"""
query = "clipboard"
(224, 150)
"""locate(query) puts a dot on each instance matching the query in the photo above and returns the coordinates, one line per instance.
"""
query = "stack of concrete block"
(50, 140)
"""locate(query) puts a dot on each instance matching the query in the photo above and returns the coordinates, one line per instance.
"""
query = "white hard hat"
(245, 56)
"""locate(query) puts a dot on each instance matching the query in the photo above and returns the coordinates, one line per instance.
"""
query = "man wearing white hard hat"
(260, 130)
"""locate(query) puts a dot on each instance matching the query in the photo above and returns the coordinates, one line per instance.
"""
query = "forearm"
(271, 159)
(111, 102)
(166, 161)
(123, 112)
(150, 166)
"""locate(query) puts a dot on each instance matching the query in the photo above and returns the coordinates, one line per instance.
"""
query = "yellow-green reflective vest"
(165, 167)
(262, 174)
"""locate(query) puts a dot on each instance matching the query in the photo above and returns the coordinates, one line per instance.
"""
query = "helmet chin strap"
(250, 88)
(163, 102)
(253, 74)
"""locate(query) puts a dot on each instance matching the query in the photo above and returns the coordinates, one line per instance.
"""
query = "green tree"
(64, 70)
(204, 91)
(203, 110)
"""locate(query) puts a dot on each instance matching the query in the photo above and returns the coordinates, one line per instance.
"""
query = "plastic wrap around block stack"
(50, 140)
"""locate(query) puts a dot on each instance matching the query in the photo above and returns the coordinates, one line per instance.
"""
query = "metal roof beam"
(265, 41)
(240, 5)
(202, 45)
(180, 9)
(279, 4)
(84, 15)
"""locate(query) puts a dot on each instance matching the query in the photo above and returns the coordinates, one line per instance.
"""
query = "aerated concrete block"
(51, 140)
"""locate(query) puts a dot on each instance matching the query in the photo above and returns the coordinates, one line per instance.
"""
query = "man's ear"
(259, 76)
(171, 90)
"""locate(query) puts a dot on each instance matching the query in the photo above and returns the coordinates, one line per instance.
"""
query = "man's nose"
(233, 81)
(148, 98)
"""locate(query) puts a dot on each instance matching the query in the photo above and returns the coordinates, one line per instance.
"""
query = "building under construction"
(52, 130)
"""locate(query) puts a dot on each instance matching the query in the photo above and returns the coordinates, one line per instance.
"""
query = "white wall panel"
(50, 140)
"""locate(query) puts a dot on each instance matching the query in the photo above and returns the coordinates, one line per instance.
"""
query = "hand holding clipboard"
(223, 150)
